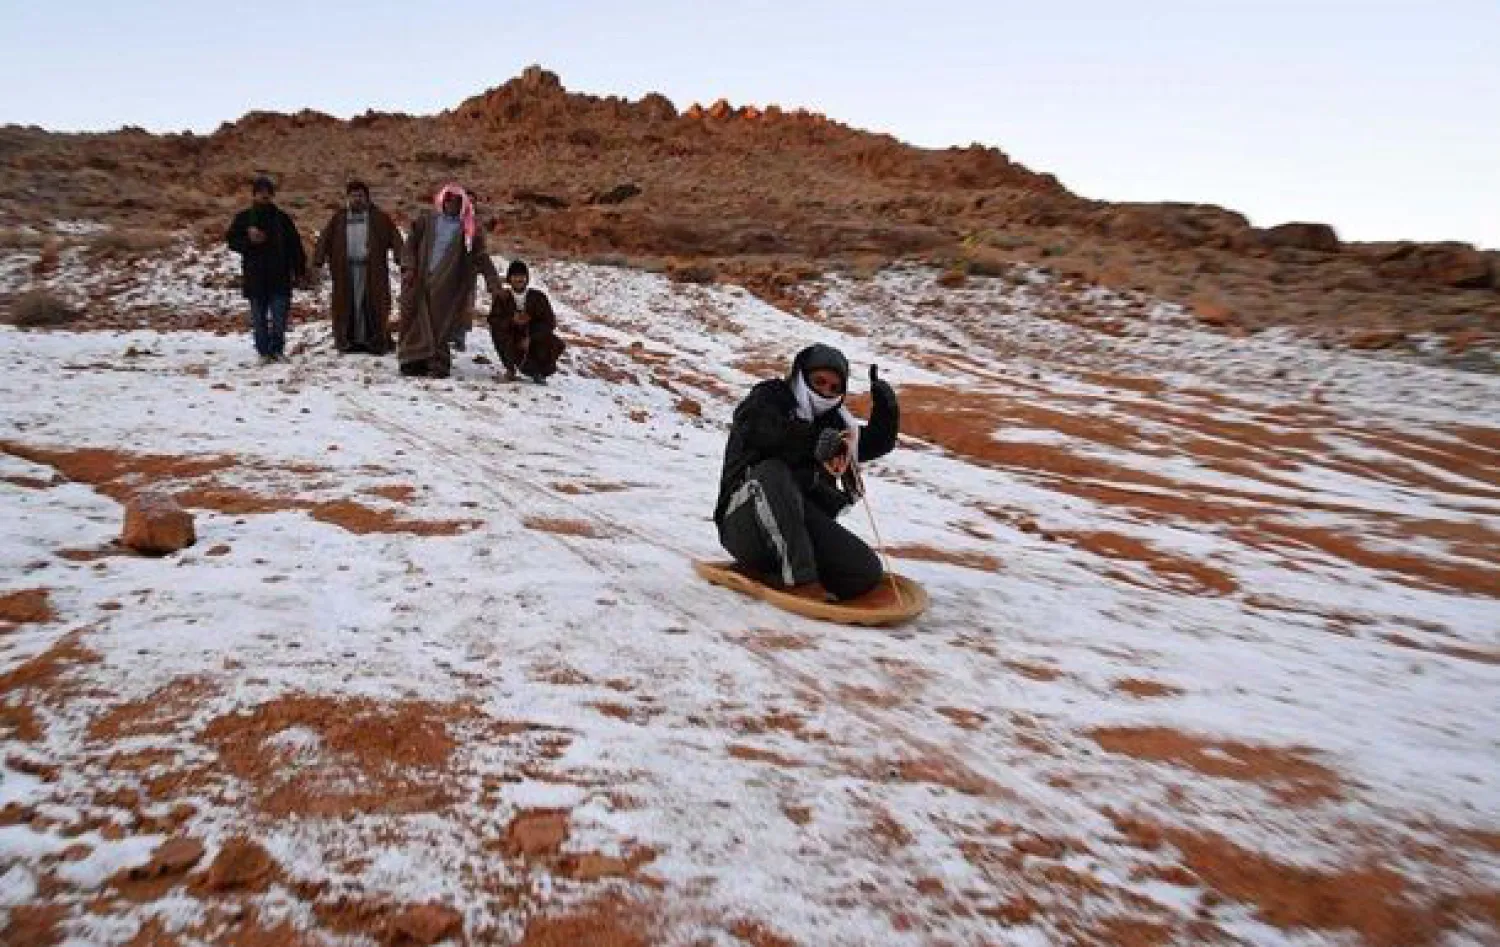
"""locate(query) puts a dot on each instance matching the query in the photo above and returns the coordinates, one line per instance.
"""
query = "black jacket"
(271, 267)
(766, 426)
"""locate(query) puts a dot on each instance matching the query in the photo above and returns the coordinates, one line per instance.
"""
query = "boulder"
(1457, 265)
(156, 525)
(618, 194)
(1302, 236)
(241, 865)
(424, 924)
(1178, 225)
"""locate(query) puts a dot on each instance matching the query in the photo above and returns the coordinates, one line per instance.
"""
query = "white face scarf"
(520, 297)
(810, 404)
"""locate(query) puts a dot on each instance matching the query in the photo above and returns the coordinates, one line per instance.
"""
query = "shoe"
(438, 373)
(414, 369)
(510, 374)
(266, 359)
(538, 379)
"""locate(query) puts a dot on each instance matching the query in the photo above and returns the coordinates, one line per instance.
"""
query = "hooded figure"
(790, 471)
(355, 244)
(524, 328)
(443, 258)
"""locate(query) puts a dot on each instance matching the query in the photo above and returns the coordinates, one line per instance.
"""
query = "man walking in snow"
(790, 471)
(524, 328)
(271, 261)
(355, 244)
(442, 260)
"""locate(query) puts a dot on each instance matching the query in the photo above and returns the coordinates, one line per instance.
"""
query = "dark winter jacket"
(766, 426)
(267, 268)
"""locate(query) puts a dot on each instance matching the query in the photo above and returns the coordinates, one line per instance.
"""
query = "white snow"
(546, 628)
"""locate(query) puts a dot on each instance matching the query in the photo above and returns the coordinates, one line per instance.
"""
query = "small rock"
(220, 550)
(174, 857)
(241, 865)
(425, 924)
(156, 525)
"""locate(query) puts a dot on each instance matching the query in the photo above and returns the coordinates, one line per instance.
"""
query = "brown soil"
(757, 934)
(592, 866)
(607, 922)
(578, 489)
(363, 520)
(27, 606)
(756, 755)
(1136, 687)
(1372, 901)
(35, 925)
(1182, 574)
(19, 722)
(370, 757)
(46, 671)
(396, 492)
(968, 560)
(120, 475)
(1035, 672)
(539, 832)
(562, 527)
(161, 713)
(1409, 568)
(1288, 773)
(967, 719)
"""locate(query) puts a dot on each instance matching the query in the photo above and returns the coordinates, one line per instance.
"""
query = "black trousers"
(770, 528)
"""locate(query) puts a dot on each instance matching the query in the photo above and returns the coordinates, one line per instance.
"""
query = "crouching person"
(789, 472)
(524, 328)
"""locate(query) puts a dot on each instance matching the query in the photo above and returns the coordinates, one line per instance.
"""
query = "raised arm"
(879, 436)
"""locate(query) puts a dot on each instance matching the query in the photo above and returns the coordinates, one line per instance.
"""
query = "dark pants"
(770, 528)
(533, 354)
(268, 322)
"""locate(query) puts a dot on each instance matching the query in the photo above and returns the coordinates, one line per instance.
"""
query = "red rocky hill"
(766, 196)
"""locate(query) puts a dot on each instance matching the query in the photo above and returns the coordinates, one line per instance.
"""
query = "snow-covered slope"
(1212, 653)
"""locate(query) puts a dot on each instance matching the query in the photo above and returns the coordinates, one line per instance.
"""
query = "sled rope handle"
(885, 560)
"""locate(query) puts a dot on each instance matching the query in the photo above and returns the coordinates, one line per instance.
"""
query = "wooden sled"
(879, 606)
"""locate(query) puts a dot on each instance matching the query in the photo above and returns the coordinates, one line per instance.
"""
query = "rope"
(885, 560)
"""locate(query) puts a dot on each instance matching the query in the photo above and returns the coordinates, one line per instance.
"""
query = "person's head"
(518, 276)
(824, 370)
(262, 189)
(453, 201)
(357, 193)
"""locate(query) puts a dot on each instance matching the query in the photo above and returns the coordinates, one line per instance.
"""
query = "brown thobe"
(530, 347)
(361, 291)
(433, 303)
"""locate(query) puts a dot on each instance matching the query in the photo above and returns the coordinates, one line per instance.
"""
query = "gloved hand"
(829, 445)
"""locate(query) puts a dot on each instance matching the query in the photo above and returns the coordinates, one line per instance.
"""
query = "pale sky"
(1377, 116)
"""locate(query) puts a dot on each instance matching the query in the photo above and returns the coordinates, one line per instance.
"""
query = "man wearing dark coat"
(356, 244)
(791, 468)
(271, 261)
(524, 328)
